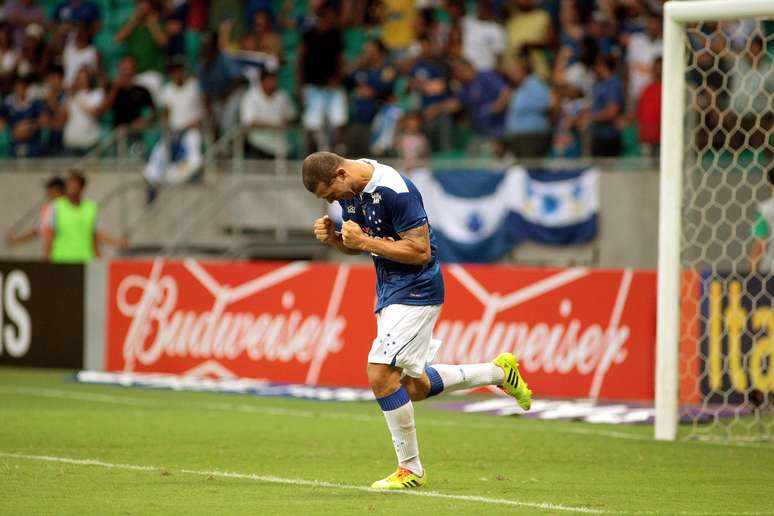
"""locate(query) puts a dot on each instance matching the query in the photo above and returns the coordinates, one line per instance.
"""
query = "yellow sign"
(731, 323)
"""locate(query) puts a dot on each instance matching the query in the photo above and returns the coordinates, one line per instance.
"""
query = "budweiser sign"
(577, 332)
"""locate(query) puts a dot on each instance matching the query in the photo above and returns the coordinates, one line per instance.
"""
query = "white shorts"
(321, 104)
(405, 337)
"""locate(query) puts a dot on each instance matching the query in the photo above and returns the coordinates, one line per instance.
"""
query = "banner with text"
(41, 314)
(737, 337)
(577, 332)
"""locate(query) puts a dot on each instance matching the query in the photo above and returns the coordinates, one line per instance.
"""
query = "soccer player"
(384, 215)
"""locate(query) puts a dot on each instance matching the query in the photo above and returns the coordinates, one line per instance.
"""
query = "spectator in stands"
(372, 80)
(762, 253)
(478, 94)
(429, 79)
(412, 145)
(267, 39)
(146, 39)
(483, 38)
(265, 112)
(320, 74)
(604, 32)
(232, 11)
(257, 51)
(55, 109)
(570, 104)
(570, 36)
(132, 105)
(217, 78)
(79, 52)
(529, 29)
(35, 56)
(20, 13)
(84, 105)
(68, 14)
(25, 116)
(649, 114)
(8, 58)
(182, 99)
(751, 87)
(527, 124)
(54, 189)
(177, 156)
(607, 105)
(175, 16)
(398, 27)
(642, 49)
(581, 72)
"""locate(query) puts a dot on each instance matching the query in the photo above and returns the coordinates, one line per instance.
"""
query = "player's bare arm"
(413, 247)
(325, 232)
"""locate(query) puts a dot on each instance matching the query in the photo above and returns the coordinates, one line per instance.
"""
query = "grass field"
(68, 448)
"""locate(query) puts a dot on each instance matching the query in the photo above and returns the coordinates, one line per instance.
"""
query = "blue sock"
(436, 383)
(395, 400)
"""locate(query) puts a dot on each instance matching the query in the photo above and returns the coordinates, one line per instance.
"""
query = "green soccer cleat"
(401, 479)
(514, 384)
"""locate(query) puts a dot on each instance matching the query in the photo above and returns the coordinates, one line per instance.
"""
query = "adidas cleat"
(401, 479)
(514, 384)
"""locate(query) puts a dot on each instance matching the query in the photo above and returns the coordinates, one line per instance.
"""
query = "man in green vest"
(71, 235)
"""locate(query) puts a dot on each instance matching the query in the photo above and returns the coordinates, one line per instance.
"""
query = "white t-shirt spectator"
(82, 131)
(184, 103)
(258, 108)
(640, 54)
(482, 42)
(74, 58)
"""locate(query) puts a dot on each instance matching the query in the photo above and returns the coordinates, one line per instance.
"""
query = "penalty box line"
(305, 483)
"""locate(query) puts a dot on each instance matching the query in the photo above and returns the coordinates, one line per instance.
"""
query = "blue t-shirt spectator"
(605, 92)
(574, 44)
(15, 112)
(77, 12)
(477, 96)
(433, 77)
(382, 80)
(217, 78)
(528, 108)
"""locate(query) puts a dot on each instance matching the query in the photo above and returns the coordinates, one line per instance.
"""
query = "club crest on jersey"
(376, 197)
(351, 209)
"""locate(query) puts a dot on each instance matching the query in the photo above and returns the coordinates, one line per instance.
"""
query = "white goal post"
(677, 16)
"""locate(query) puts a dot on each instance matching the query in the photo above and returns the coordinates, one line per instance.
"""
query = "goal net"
(724, 324)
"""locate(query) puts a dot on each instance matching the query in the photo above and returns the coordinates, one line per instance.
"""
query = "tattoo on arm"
(418, 234)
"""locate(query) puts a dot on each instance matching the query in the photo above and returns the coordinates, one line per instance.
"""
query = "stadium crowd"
(526, 78)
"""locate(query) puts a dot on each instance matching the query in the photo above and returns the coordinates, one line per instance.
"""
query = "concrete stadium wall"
(628, 216)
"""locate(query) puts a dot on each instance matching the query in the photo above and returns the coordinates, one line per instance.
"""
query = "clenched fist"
(324, 230)
(352, 235)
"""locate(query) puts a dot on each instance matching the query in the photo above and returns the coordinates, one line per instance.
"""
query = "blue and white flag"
(175, 159)
(479, 215)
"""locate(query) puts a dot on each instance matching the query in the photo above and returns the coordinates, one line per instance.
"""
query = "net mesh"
(727, 310)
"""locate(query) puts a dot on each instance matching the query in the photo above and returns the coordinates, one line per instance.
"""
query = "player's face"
(337, 190)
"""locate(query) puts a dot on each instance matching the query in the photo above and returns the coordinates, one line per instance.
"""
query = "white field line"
(546, 506)
(343, 416)
(306, 483)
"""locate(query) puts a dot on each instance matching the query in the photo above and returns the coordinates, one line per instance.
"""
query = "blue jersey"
(390, 204)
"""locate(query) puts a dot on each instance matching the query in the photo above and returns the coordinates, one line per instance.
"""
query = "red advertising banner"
(578, 332)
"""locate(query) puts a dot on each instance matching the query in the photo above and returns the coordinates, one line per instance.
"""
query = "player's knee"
(382, 379)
